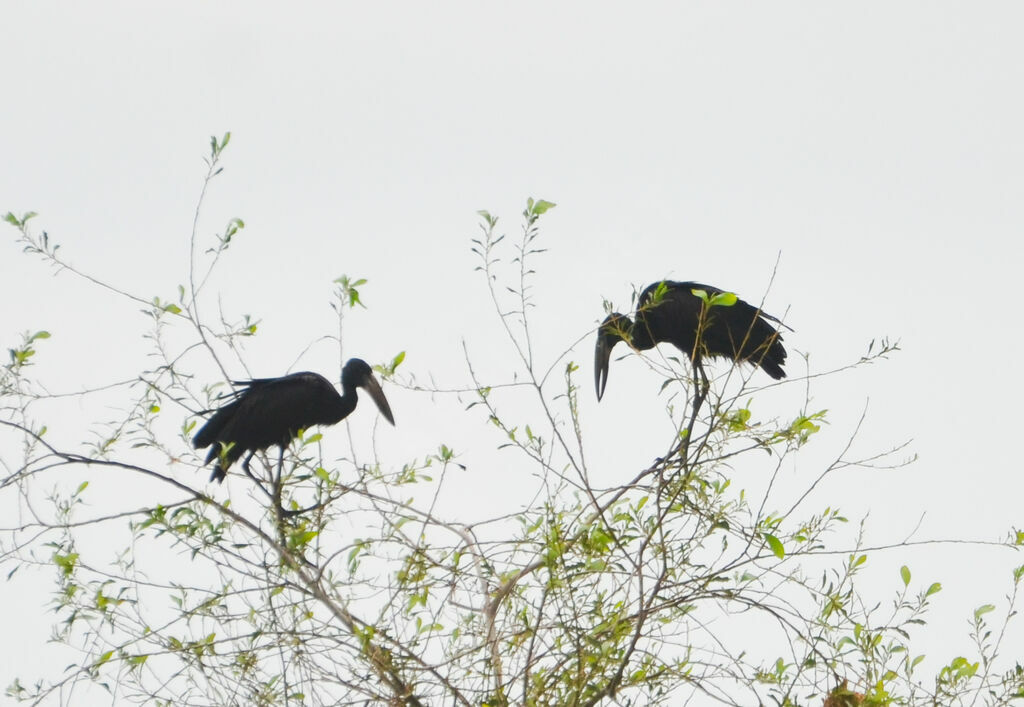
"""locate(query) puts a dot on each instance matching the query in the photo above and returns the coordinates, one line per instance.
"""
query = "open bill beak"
(602, 356)
(372, 387)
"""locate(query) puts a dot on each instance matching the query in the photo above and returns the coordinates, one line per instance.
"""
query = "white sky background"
(877, 147)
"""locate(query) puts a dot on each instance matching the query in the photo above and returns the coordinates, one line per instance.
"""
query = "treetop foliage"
(679, 582)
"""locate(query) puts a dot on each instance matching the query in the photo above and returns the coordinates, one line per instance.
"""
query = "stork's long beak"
(613, 329)
(602, 356)
(371, 386)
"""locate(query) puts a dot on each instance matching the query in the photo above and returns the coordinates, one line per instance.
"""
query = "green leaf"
(723, 299)
(487, 217)
(905, 574)
(737, 422)
(776, 545)
(348, 293)
(540, 206)
(19, 222)
(388, 370)
(66, 563)
(982, 610)
(301, 538)
(702, 295)
(136, 660)
(936, 587)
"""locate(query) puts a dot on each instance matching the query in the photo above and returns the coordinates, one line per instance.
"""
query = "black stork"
(669, 312)
(271, 411)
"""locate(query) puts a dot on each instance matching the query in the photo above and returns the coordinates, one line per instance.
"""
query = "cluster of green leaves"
(22, 354)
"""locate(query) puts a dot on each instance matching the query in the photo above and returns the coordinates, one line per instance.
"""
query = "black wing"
(741, 331)
(266, 412)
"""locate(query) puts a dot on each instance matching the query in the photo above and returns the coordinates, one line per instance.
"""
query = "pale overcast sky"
(873, 149)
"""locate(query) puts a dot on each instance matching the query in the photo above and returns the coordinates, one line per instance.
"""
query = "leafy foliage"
(647, 592)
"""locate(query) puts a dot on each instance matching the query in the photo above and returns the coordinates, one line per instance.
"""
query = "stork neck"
(345, 403)
(640, 335)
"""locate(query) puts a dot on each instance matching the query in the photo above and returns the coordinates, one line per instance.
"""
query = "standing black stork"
(669, 312)
(271, 411)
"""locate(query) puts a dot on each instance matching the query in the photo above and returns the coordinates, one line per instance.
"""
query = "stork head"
(615, 328)
(357, 372)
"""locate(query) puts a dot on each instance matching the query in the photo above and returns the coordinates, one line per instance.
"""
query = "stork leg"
(279, 490)
(276, 482)
(703, 384)
(248, 472)
(246, 469)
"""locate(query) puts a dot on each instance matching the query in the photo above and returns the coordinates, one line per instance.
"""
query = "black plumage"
(271, 411)
(669, 312)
